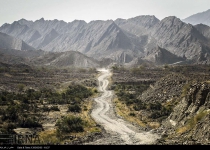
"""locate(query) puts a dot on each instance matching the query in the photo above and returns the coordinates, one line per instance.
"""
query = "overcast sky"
(69, 10)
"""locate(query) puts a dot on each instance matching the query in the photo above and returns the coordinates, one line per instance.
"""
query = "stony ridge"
(187, 124)
(122, 40)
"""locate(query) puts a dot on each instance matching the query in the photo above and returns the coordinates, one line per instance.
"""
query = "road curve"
(104, 115)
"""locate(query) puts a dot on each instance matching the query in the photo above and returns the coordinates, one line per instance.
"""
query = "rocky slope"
(161, 56)
(95, 39)
(20, 31)
(188, 123)
(202, 17)
(204, 29)
(188, 102)
(165, 89)
(9, 42)
(122, 40)
(66, 59)
(98, 37)
(139, 25)
(52, 59)
(181, 39)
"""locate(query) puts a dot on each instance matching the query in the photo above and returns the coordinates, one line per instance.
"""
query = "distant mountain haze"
(202, 17)
(66, 59)
(141, 39)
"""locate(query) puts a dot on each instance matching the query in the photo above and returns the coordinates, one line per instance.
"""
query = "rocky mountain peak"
(77, 24)
(15, 23)
(41, 19)
(172, 21)
(139, 23)
(145, 20)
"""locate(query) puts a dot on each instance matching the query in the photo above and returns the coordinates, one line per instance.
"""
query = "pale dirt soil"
(118, 131)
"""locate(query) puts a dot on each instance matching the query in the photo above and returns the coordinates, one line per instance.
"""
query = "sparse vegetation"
(41, 92)
(192, 122)
(69, 124)
(130, 83)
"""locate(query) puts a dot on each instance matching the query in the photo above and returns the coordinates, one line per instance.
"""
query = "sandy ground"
(118, 130)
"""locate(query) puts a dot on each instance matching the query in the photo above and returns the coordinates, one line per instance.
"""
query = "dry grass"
(192, 122)
(85, 115)
(182, 130)
(7, 75)
(154, 125)
(48, 136)
(124, 111)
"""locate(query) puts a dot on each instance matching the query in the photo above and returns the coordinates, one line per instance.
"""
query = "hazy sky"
(69, 10)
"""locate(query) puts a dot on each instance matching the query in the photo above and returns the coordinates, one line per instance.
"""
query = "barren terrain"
(119, 131)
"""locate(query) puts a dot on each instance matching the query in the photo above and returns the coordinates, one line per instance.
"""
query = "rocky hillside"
(181, 39)
(188, 123)
(181, 106)
(139, 25)
(52, 59)
(202, 17)
(122, 40)
(9, 42)
(95, 39)
(66, 59)
(204, 29)
(161, 56)
(165, 89)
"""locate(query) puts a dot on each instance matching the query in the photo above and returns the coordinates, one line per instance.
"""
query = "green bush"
(74, 108)
(132, 114)
(55, 108)
(139, 106)
(185, 89)
(154, 106)
(46, 109)
(30, 123)
(70, 124)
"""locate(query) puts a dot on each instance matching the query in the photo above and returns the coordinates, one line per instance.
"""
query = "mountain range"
(202, 17)
(123, 41)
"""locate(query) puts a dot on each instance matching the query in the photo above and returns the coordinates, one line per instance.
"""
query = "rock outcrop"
(188, 123)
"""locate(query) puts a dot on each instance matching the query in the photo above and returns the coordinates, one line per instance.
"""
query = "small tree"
(74, 108)
(69, 124)
(21, 87)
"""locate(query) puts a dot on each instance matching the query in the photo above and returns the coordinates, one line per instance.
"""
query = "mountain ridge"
(121, 40)
(201, 17)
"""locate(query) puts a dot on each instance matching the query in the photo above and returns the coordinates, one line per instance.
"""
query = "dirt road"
(118, 130)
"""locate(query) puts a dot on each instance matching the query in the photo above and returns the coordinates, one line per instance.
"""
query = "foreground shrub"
(74, 108)
(70, 124)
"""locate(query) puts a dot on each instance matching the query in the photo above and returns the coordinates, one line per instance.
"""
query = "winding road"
(119, 131)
